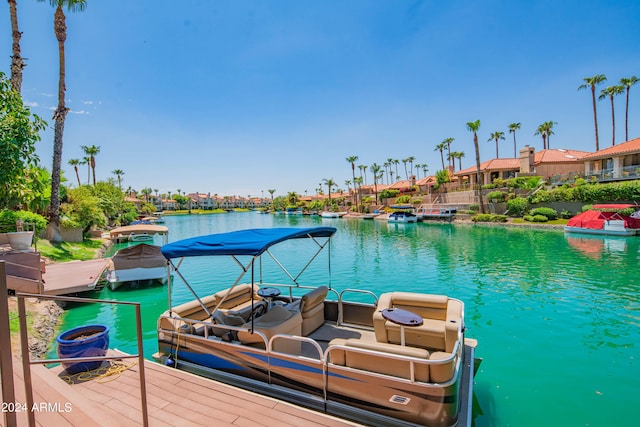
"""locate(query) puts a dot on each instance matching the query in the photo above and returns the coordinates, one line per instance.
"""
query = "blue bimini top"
(242, 242)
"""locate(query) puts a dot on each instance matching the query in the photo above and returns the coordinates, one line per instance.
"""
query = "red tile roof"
(559, 156)
(631, 146)
(493, 164)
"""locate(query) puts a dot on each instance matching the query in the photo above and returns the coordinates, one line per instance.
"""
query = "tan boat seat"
(441, 317)
(380, 364)
(311, 307)
(278, 320)
(238, 301)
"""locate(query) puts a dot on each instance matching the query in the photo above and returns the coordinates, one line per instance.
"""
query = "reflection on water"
(557, 317)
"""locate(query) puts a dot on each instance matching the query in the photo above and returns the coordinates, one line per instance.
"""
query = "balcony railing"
(602, 175)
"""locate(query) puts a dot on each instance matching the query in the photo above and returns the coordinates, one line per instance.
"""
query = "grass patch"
(69, 251)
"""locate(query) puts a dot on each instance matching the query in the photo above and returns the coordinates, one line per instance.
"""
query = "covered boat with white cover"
(400, 360)
(137, 263)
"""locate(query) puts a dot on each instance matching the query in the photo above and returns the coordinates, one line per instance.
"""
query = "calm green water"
(557, 318)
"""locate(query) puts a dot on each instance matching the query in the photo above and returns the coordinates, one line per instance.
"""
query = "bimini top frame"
(251, 242)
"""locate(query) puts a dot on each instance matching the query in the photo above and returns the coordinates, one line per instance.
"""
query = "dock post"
(6, 362)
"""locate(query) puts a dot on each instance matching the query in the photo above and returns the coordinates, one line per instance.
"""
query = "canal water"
(557, 316)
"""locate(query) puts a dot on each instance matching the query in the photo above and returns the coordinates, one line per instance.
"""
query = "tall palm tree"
(406, 174)
(425, 169)
(375, 170)
(542, 131)
(352, 160)
(329, 183)
(118, 173)
(92, 152)
(17, 62)
(549, 130)
(513, 127)
(611, 91)
(627, 82)
(390, 162)
(496, 136)
(396, 162)
(59, 115)
(592, 82)
(75, 163)
(86, 160)
(474, 127)
(410, 159)
(271, 191)
(448, 141)
(440, 148)
(459, 156)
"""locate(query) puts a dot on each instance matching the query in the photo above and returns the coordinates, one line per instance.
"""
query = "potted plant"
(83, 341)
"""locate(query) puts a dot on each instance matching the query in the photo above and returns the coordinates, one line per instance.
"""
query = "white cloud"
(79, 112)
(87, 102)
(31, 104)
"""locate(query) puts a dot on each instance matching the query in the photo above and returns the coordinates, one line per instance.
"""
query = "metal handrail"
(27, 362)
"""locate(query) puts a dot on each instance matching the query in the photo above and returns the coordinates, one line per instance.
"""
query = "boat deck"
(174, 398)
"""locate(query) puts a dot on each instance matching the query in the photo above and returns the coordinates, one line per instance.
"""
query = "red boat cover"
(595, 219)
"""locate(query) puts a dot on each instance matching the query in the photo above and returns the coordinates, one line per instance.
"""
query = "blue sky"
(238, 97)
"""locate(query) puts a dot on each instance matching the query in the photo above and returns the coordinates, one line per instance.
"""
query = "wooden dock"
(73, 277)
(174, 398)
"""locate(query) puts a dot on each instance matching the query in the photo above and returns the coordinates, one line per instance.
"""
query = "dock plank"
(176, 397)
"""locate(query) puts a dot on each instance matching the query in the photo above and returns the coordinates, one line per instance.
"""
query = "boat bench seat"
(378, 363)
(437, 372)
(311, 307)
(441, 318)
(278, 320)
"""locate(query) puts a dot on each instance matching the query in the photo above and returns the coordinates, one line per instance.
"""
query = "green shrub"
(8, 220)
(388, 194)
(549, 213)
(517, 206)
(489, 218)
(495, 196)
(528, 218)
(474, 207)
(403, 199)
(540, 218)
(565, 214)
(498, 218)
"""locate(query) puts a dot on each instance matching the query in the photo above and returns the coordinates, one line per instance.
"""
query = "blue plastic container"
(83, 341)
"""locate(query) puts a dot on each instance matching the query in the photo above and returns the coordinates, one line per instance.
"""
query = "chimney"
(527, 155)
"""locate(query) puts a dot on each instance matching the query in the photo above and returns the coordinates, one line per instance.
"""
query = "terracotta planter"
(20, 240)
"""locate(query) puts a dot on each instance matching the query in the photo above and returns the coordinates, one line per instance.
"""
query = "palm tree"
(396, 162)
(87, 161)
(375, 170)
(459, 156)
(329, 183)
(611, 91)
(352, 160)
(542, 131)
(75, 163)
(474, 127)
(591, 82)
(271, 191)
(17, 62)
(410, 159)
(513, 127)
(406, 174)
(425, 169)
(363, 172)
(118, 173)
(627, 82)
(498, 135)
(549, 130)
(440, 147)
(448, 141)
(390, 163)
(92, 151)
(60, 30)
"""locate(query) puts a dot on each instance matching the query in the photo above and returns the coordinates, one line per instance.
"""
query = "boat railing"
(7, 380)
(353, 291)
(412, 361)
